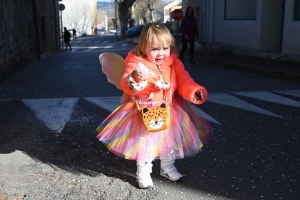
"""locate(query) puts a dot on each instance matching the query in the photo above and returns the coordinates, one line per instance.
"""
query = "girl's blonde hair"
(152, 31)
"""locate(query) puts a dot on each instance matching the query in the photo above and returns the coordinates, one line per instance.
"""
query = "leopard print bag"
(156, 118)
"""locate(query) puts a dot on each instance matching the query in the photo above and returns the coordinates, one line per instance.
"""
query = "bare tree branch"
(151, 7)
(140, 11)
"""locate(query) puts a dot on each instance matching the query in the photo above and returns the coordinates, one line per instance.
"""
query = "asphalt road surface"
(50, 109)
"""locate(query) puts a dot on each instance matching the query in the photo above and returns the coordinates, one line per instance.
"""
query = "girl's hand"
(199, 95)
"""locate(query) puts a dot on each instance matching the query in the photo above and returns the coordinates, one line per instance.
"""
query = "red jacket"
(181, 81)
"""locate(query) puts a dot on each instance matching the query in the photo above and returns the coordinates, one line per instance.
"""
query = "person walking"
(74, 33)
(154, 83)
(189, 32)
(67, 38)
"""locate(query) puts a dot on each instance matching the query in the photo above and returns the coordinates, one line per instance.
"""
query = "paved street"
(50, 109)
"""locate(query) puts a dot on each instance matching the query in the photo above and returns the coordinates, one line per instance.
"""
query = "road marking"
(111, 103)
(229, 100)
(295, 93)
(54, 113)
(206, 116)
(92, 48)
(108, 103)
(108, 46)
(270, 97)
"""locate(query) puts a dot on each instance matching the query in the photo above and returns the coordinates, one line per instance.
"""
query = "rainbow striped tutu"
(124, 134)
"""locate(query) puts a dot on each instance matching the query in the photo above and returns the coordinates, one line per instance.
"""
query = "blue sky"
(106, 0)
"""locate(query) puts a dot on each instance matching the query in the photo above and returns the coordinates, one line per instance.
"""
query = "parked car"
(112, 30)
(101, 31)
(134, 31)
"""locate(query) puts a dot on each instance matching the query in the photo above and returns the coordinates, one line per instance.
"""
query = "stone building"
(29, 31)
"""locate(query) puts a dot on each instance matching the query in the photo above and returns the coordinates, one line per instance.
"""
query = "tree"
(124, 14)
(80, 15)
(145, 9)
(140, 11)
(151, 7)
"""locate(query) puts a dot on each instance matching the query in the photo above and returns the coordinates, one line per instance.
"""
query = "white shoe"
(168, 170)
(143, 178)
(173, 175)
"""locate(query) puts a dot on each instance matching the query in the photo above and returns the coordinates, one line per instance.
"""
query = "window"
(297, 10)
(240, 9)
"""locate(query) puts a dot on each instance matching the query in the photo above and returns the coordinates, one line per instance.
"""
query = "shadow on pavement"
(254, 162)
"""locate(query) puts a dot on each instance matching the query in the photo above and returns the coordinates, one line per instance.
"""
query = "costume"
(123, 131)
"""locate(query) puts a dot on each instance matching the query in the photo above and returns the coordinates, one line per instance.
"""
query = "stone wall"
(29, 30)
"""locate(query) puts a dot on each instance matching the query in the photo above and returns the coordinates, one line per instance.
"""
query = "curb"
(251, 68)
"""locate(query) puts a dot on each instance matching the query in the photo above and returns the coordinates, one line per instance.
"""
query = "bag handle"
(137, 104)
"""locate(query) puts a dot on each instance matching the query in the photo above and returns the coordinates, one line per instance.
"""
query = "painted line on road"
(270, 97)
(93, 47)
(54, 113)
(111, 103)
(108, 46)
(229, 100)
(108, 103)
(295, 93)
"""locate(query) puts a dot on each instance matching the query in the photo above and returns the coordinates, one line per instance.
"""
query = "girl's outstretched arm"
(187, 87)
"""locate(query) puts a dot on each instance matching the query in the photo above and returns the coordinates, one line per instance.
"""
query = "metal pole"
(177, 39)
(207, 49)
(62, 36)
(116, 20)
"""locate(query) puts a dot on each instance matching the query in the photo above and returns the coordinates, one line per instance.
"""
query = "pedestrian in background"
(154, 78)
(189, 32)
(74, 34)
(67, 38)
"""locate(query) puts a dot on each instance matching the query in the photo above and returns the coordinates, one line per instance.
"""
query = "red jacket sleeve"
(186, 87)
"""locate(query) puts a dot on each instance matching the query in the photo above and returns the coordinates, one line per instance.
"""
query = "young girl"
(153, 75)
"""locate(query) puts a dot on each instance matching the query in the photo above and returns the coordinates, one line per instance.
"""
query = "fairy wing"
(113, 66)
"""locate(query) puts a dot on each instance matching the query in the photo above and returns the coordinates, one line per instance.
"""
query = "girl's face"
(157, 53)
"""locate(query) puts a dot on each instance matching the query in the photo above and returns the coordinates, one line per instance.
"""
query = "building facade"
(29, 31)
(263, 28)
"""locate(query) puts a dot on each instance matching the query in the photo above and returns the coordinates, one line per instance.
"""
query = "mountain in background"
(102, 5)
